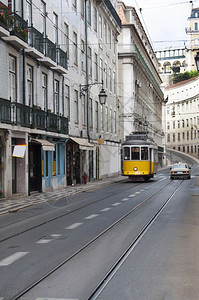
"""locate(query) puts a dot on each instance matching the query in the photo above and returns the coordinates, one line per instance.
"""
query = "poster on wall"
(19, 151)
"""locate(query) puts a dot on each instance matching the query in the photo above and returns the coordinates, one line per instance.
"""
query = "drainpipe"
(87, 91)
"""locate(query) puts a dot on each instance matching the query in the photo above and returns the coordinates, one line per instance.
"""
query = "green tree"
(184, 76)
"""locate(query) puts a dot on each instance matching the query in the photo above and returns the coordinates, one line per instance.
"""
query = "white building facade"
(140, 94)
(182, 116)
(52, 132)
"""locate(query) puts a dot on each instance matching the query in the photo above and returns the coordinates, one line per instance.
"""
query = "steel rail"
(25, 291)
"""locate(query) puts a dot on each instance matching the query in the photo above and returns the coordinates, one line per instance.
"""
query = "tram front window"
(144, 153)
(135, 153)
(126, 153)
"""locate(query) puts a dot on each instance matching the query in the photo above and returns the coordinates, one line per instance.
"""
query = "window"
(83, 109)
(100, 27)
(30, 85)
(105, 33)
(126, 153)
(106, 116)
(95, 19)
(115, 122)
(101, 70)
(111, 119)
(196, 26)
(178, 136)
(56, 97)
(174, 137)
(182, 123)
(187, 122)
(110, 80)
(144, 153)
(109, 38)
(114, 83)
(89, 12)
(55, 25)
(106, 75)
(12, 78)
(168, 125)
(178, 124)
(135, 153)
(89, 62)
(29, 14)
(90, 112)
(96, 66)
(76, 107)
(187, 135)
(75, 48)
(168, 138)
(82, 9)
(96, 115)
(67, 101)
(44, 91)
(173, 124)
(83, 55)
(183, 135)
(66, 39)
(75, 3)
(43, 15)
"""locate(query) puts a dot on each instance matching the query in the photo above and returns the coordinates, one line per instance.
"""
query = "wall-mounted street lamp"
(102, 95)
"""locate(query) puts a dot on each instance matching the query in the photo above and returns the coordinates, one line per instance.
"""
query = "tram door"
(151, 160)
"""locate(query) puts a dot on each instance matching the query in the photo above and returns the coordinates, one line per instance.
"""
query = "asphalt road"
(163, 265)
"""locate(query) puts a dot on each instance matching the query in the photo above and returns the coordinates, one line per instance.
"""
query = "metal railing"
(5, 111)
(49, 49)
(19, 27)
(15, 113)
(35, 39)
(4, 16)
(62, 58)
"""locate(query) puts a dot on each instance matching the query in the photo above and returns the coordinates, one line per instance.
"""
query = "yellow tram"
(139, 157)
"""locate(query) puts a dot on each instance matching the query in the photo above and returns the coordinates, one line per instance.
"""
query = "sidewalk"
(14, 204)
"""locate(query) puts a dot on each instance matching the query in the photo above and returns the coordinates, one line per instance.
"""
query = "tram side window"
(126, 153)
(135, 153)
(144, 153)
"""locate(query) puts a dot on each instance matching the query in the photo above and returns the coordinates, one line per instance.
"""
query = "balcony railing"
(4, 16)
(5, 111)
(63, 125)
(62, 58)
(19, 27)
(15, 113)
(21, 114)
(36, 39)
(50, 49)
(38, 118)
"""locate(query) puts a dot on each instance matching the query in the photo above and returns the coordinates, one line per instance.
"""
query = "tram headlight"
(135, 169)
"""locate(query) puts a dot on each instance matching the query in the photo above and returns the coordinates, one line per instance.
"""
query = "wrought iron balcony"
(36, 39)
(5, 111)
(49, 49)
(4, 16)
(62, 58)
(63, 125)
(38, 118)
(19, 27)
(21, 114)
(52, 122)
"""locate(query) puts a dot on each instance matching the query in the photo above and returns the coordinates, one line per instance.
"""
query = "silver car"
(180, 170)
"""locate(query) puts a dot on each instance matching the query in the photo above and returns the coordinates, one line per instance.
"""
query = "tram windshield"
(135, 153)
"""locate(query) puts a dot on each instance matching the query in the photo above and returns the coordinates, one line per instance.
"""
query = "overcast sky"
(165, 20)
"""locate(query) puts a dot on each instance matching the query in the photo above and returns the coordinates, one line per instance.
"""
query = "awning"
(83, 144)
(46, 145)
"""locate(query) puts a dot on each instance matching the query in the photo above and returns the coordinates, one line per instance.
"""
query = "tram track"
(59, 216)
(118, 263)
